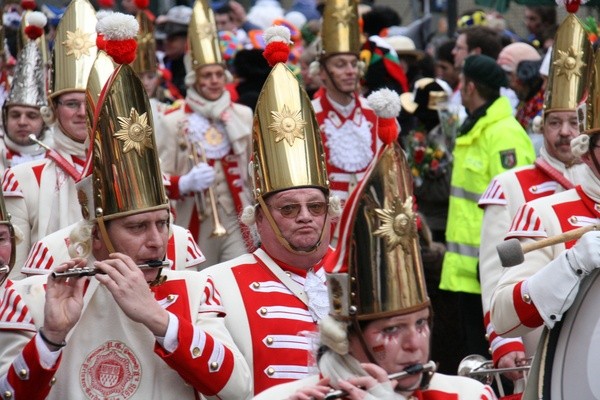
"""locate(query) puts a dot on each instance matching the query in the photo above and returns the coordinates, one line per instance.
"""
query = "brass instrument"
(35, 140)
(90, 271)
(412, 370)
(218, 229)
(198, 196)
(4, 269)
(478, 367)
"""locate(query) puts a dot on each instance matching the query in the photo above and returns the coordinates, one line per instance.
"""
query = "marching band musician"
(21, 114)
(275, 294)
(41, 195)
(542, 288)
(207, 122)
(9, 237)
(346, 122)
(150, 344)
(380, 315)
(554, 171)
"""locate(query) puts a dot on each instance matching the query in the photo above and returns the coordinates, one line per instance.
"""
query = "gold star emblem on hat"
(569, 62)
(287, 125)
(398, 224)
(206, 31)
(343, 14)
(135, 132)
(78, 43)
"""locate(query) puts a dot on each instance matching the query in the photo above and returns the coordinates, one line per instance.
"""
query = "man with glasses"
(41, 195)
(275, 296)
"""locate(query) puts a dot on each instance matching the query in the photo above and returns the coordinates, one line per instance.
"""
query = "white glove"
(554, 287)
(201, 177)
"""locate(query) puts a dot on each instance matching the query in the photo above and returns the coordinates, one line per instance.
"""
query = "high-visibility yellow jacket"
(496, 142)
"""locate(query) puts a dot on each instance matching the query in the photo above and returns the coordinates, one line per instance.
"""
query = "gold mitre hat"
(287, 147)
(340, 30)
(588, 114)
(572, 57)
(101, 71)
(28, 87)
(126, 177)
(22, 38)
(376, 269)
(74, 49)
(203, 36)
(145, 60)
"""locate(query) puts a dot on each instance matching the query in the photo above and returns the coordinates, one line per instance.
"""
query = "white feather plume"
(118, 26)
(37, 18)
(277, 33)
(385, 103)
(580, 145)
(334, 334)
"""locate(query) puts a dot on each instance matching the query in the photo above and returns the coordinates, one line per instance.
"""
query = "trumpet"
(90, 271)
(218, 229)
(412, 370)
(478, 367)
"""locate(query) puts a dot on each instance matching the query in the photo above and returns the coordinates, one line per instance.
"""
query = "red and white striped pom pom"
(107, 4)
(120, 32)
(28, 4)
(142, 4)
(277, 48)
(36, 21)
(571, 6)
(386, 105)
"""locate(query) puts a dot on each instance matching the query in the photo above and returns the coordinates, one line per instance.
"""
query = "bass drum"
(570, 359)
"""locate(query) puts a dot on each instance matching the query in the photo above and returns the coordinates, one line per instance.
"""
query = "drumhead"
(572, 365)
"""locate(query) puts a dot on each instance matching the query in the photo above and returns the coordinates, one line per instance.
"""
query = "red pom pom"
(387, 129)
(33, 32)
(28, 4)
(121, 51)
(165, 74)
(106, 3)
(276, 52)
(572, 6)
(142, 4)
(100, 42)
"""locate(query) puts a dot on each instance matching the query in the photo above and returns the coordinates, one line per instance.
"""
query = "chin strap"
(348, 94)
(361, 339)
(283, 240)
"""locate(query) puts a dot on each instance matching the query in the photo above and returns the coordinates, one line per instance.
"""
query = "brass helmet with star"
(125, 174)
(145, 60)
(74, 49)
(376, 269)
(340, 29)
(203, 36)
(589, 114)
(571, 60)
(287, 146)
(102, 69)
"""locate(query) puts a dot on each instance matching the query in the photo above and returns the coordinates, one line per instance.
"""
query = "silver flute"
(89, 271)
(411, 370)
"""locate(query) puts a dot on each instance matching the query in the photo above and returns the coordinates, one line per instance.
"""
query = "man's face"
(446, 72)
(142, 237)
(70, 108)
(210, 81)
(224, 22)
(5, 249)
(533, 22)
(460, 50)
(175, 46)
(560, 127)
(397, 343)
(22, 121)
(343, 71)
(302, 230)
(150, 80)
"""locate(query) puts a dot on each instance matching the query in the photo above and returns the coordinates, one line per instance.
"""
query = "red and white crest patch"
(111, 371)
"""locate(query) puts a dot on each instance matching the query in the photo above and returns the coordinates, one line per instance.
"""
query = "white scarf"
(222, 110)
(65, 145)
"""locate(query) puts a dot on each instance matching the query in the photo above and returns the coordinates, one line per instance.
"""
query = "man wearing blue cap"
(490, 141)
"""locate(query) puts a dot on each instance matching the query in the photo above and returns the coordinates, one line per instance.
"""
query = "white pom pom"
(334, 334)
(385, 103)
(37, 18)
(248, 217)
(580, 145)
(314, 68)
(101, 14)
(335, 206)
(118, 27)
(277, 33)
(536, 124)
